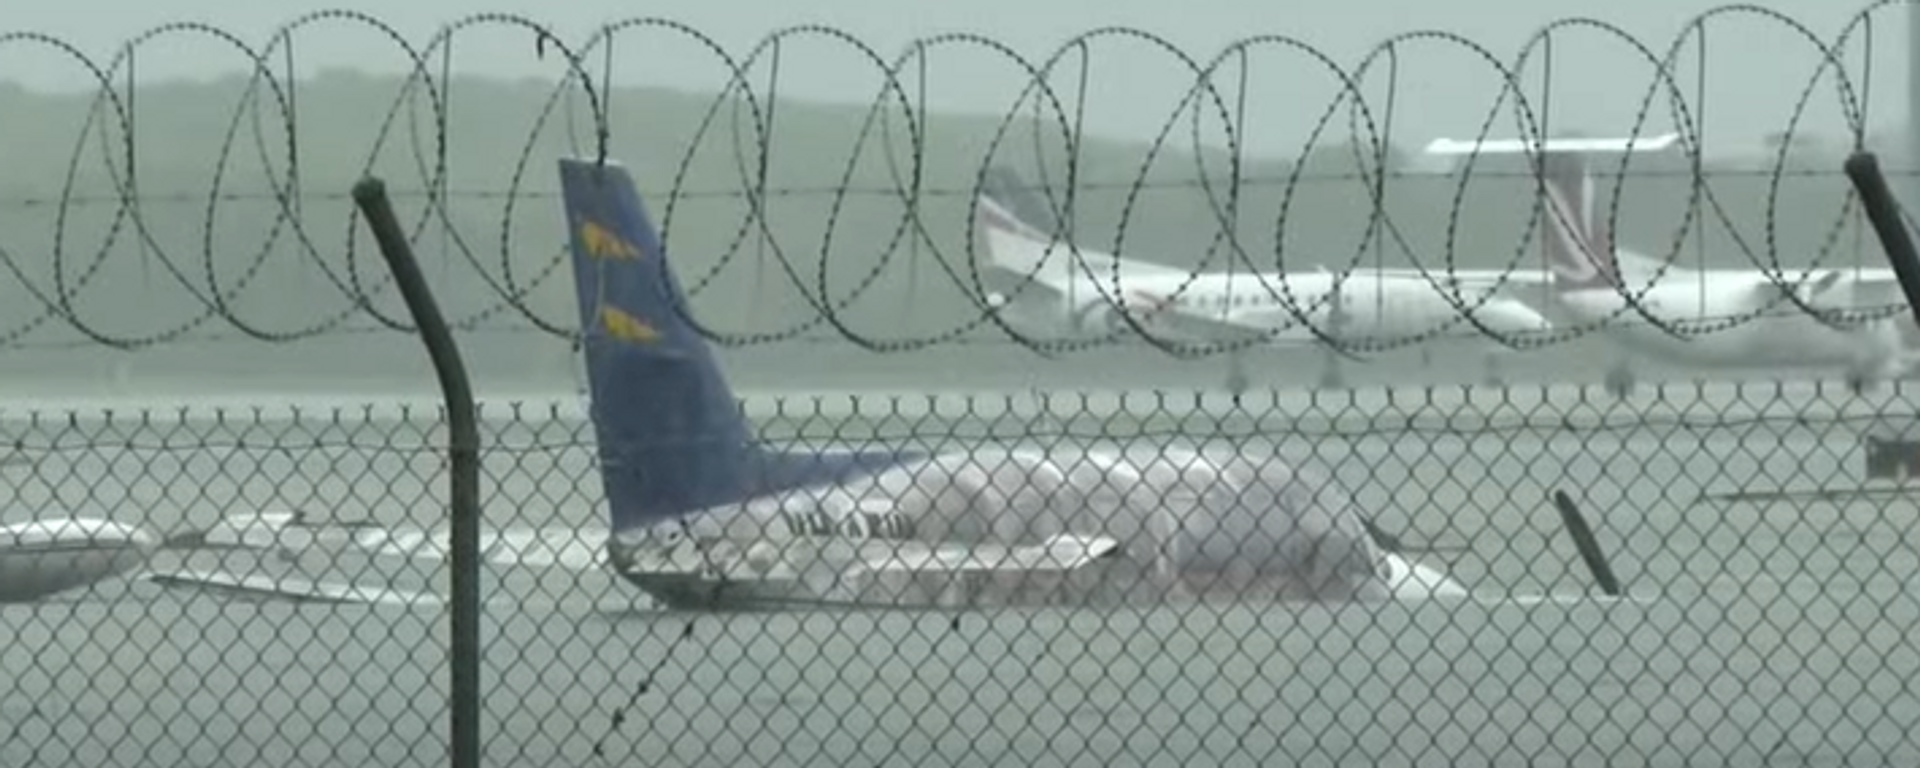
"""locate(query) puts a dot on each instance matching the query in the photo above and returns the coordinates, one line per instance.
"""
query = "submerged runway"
(1768, 629)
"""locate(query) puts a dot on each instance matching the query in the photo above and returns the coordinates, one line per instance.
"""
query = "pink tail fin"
(1579, 250)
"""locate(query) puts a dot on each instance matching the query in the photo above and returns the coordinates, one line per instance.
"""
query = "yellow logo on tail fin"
(603, 243)
(625, 327)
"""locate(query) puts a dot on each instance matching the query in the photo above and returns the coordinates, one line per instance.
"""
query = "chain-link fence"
(1556, 572)
(1760, 533)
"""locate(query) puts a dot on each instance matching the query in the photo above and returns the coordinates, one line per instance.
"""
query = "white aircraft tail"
(1011, 243)
(1027, 247)
(1579, 249)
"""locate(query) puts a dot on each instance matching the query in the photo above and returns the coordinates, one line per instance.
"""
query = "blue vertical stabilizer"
(672, 439)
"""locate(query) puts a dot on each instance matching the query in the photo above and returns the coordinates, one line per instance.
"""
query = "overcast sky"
(1756, 68)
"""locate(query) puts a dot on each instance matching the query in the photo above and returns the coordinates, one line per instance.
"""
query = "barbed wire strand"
(1210, 98)
(1042, 112)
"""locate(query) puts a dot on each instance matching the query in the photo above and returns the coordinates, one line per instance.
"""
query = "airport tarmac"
(1769, 631)
(501, 362)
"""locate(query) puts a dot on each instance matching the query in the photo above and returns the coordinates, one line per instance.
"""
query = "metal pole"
(370, 194)
(1912, 160)
(1863, 169)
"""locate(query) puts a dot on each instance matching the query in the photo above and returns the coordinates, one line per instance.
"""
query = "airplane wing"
(292, 534)
(266, 587)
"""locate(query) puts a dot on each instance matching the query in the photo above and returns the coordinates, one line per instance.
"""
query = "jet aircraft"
(1043, 286)
(1722, 318)
(703, 515)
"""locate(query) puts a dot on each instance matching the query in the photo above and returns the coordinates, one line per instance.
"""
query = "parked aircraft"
(704, 516)
(1046, 288)
(1712, 318)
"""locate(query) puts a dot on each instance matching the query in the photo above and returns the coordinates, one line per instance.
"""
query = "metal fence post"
(463, 449)
(1863, 169)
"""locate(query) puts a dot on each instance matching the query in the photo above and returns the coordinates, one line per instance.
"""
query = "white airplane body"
(1089, 294)
(704, 516)
(1734, 318)
(1140, 523)
(1714, 318)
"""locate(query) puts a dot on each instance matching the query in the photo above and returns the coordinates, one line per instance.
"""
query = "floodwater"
(1761, 631)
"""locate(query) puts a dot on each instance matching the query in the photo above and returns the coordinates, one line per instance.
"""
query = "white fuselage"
(47, 557)
(1186, 522)
(1362, 309)
(1733, 318)
(1084, 292)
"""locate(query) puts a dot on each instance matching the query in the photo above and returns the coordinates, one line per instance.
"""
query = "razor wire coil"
(894, 125)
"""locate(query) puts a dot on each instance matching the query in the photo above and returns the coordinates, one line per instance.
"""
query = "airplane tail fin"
(671, 437)
(1022, 206)
(1016, 233)
(1004, 223)
(1579, 247)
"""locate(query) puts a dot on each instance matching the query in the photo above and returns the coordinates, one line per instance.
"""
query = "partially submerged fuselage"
(1187, 525)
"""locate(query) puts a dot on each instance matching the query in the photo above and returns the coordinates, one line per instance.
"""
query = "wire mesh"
(1380, 575)
(1760, 530)
(832, 228)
